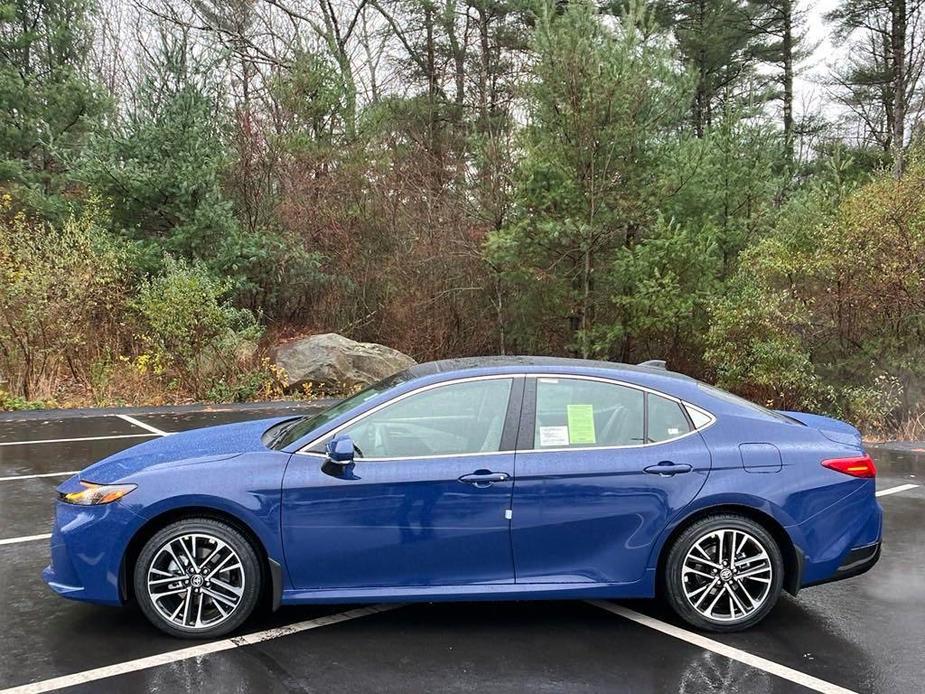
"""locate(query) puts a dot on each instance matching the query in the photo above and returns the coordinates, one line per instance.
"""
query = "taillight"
(860, 466)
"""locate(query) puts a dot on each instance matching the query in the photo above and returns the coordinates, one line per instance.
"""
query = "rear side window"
(575, 413)
(666, 419)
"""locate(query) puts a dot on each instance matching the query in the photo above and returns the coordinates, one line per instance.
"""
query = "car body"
(488, 478)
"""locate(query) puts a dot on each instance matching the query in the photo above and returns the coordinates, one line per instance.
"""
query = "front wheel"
(724, 573)
(197, 578)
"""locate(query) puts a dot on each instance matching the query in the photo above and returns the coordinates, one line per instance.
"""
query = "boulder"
(335, 363)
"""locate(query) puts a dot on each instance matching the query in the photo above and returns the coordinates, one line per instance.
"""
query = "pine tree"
(717, 39)
(778, 28)
(50, 103)
(881, 78)
(600, 101)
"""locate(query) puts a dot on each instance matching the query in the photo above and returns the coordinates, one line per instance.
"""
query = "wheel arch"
(271, 569)
(790, 553)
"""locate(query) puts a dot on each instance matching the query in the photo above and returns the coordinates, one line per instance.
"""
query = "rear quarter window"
(665, 419)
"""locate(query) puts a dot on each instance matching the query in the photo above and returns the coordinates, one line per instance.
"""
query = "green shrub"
(10, 402)
(826, 311)
(62, 294)
(190, 334)
(260, 382)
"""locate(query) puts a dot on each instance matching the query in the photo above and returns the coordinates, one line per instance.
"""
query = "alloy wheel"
(195, 581)
(726, 575)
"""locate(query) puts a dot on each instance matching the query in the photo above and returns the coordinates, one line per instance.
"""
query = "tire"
(713, 596)
(217, 573)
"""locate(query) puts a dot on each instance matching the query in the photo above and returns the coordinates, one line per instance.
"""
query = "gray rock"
(335, 363)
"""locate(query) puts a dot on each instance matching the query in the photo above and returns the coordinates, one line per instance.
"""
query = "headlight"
(95, 494)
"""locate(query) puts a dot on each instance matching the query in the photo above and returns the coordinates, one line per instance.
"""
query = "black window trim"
(527, 407)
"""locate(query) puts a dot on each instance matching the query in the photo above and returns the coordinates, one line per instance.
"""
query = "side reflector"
(861, 466)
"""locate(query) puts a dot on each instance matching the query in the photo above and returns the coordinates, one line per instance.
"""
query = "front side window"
(575, 413)
(288, 433)
(455, 419)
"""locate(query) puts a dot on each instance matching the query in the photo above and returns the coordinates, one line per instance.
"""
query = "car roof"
(519, 363)
(654, 377)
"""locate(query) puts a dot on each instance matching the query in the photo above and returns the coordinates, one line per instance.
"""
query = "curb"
(83, 412)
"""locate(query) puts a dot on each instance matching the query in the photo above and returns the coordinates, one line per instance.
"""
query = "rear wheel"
(724, 573)
(197, 578)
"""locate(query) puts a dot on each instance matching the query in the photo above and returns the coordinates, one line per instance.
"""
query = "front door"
(425, 503)
(603, 470)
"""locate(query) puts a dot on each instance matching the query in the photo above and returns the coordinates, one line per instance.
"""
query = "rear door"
(601, 468)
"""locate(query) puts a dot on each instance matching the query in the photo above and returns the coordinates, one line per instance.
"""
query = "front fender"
(246, 488)
(263, 522)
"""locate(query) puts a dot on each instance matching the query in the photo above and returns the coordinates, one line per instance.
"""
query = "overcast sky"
(809, 91)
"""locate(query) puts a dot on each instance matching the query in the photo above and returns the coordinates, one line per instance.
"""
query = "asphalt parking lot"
(864, 634)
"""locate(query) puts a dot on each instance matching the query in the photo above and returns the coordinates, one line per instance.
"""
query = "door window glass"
(454, 419)
(578, 413)
(666, 419)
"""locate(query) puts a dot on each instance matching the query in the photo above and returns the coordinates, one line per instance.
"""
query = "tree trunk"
(898, 39)
(484, 67)
(702, 100)
(458, 50)
(585, 301)
(787, 50)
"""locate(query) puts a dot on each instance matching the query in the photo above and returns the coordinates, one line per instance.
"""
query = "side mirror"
(340, 450)
(339, 461)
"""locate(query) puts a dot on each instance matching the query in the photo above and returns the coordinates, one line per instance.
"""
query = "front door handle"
(484, 478)
(666, 468)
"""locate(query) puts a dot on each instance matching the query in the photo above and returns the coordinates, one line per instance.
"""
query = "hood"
(184, 448)
(833, 429)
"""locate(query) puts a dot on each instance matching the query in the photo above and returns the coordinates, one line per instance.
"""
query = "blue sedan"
(477, 479)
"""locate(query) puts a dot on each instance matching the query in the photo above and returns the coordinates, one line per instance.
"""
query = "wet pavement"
(864, 634)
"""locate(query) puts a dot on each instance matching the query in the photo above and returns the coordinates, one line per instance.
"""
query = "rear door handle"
(666, 468)
(484, 478)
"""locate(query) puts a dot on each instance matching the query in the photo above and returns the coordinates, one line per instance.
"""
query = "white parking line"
(153, 431)
(78, 438)
(139, 423)
(896, 490)
(44, 474)
(193, 652)
(708, 644)
(24, 538)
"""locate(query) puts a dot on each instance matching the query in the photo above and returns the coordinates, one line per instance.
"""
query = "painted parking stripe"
(44, 474)
(143, 425)
(25, 538)
(100, 673)
(722, 649)
(896, 490)
(152, 431)
(78, 438)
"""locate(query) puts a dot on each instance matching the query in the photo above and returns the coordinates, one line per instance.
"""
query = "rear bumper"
(859, 560)
(853, 530)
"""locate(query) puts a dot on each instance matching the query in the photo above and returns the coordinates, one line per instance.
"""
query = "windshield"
(747, 404)
(293, 431)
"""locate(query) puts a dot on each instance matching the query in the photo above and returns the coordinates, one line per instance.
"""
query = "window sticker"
(673, 431)
(554, 436)
(581, 424)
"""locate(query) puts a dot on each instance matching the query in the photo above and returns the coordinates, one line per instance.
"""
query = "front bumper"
(87, 545)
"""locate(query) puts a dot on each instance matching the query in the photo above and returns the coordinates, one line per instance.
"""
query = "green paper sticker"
(581, 424)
